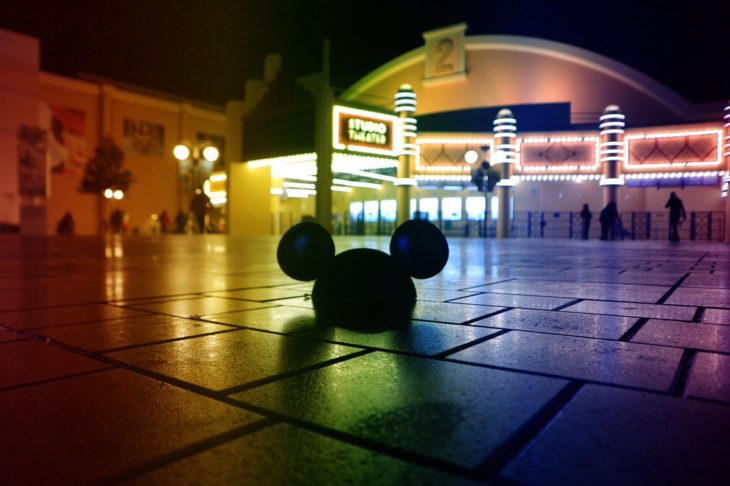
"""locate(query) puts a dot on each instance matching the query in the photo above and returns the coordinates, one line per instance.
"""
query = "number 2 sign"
(445, 58)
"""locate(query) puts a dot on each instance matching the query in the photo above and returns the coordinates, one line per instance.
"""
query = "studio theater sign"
(365, 131)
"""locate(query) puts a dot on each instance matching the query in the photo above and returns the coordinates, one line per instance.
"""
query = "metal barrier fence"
(635, 225)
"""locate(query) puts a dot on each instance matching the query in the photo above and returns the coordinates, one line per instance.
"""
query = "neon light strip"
(371, 175)
(612, 115)
(406, 181)
(498, 121)
(405, 94)
(615, 130)
(341, 189)
(297, 185)
(369, 185)
(308, 157)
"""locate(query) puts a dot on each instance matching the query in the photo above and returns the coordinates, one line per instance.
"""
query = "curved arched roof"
(621, 76)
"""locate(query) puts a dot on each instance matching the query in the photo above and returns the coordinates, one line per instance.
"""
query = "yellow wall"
(249, 200)
(64, 196)
(19, 59)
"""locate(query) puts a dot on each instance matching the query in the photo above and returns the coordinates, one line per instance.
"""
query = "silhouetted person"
(585, 216)
(609, 216)
(180, 222)
(676, 215)
(66, 225)
(165, 221)
(199, 207)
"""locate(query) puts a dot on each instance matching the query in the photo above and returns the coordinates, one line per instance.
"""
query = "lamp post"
(117, 216)
(194, 153)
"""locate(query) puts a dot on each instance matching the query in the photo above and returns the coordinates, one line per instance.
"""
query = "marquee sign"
(370, 132)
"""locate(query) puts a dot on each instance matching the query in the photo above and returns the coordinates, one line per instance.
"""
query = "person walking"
(199, 207)
(677, 214)
(585, 216)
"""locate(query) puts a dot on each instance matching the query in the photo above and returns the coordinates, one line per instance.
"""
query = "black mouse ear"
(304, 250)
(421, 247)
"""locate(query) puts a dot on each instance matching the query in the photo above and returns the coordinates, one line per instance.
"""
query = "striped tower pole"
(405, 108)
(726, 177)
(612, 151)
(505, 156)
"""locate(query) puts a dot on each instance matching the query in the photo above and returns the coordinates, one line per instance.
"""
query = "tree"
(105, 171)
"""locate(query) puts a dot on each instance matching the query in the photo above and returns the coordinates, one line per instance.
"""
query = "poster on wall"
(66, 141)
(144, 138)
(32, 162)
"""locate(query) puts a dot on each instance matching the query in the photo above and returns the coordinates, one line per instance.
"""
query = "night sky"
(205, 50)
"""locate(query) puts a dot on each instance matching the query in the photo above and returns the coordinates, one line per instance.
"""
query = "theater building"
(559, 125)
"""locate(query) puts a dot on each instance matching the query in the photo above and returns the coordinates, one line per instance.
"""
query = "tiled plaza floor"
(195, 360)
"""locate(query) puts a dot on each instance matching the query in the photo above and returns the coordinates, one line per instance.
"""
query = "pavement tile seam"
(373, 445)
(678, 388)
(190, 450)
(631, 332)
(290, 374)
(514, 444)
(55, 378)
(674, 287)
(555, 376)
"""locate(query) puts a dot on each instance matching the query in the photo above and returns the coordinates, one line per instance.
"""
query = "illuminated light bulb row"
(445, 168)
(560, 177)
(533, 140)
(650, 136)
(674, 175)
(455, 141)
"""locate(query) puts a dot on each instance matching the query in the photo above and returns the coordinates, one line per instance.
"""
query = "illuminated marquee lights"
(560, 167)
(478, 142)
(560, 177)
(629, 138)
(673, 175)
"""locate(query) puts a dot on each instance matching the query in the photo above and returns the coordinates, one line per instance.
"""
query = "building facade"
(62, 121)
(561, 125)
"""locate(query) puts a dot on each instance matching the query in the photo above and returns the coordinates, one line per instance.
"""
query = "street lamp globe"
(181, 152)
(108, 193)
(211, 153)
(118, 194)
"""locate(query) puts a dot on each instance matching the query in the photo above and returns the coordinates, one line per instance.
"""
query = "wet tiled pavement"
(195, 360)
